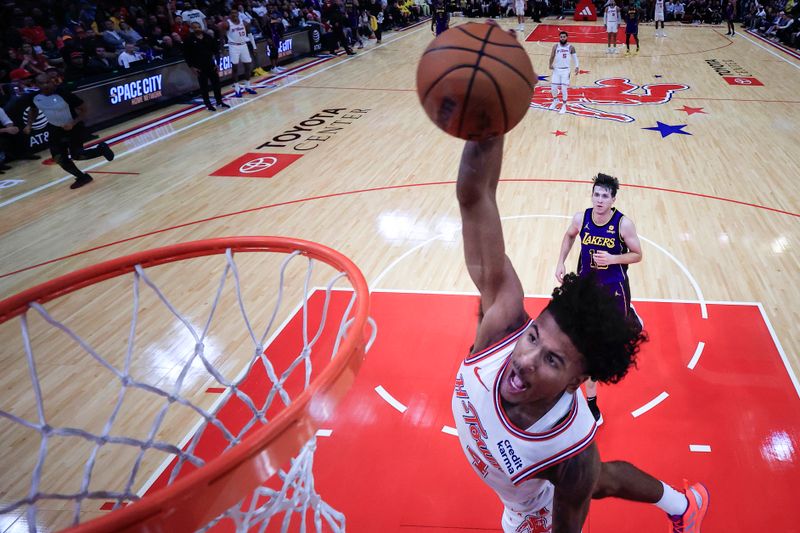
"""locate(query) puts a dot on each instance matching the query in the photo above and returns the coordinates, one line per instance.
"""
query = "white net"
(154, 425)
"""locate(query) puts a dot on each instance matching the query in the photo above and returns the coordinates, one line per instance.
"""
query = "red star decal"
(693, 110)
(583, 71)
(559, 133)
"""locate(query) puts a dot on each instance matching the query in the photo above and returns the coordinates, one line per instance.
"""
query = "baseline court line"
(789, 369)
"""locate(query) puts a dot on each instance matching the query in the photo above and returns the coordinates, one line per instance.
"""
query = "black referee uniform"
(201, 51)
(66, 130)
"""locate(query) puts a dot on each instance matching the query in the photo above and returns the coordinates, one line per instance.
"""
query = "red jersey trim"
(520, 433)
(533, 470)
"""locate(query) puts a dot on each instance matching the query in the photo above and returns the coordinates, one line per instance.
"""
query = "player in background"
(611, 18)
(609, 243)
(519, 9)
(440, 19)
(560, 60)
(236, 30)
(658, 16)
(631, 28)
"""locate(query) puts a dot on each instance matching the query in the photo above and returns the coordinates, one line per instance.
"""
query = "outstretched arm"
(484, 248)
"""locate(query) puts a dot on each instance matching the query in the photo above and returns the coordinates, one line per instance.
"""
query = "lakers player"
(658, 16)
(611, 18)
(237, 49)
(521, 418)
(560, 60)
(609, 243)
(440, 18)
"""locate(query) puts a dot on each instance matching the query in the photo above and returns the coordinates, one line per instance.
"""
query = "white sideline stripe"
(449, 430)
(696, 357)
(324, 432)
(210, 117)
(792, 63)
(649, 405)
(222, 398)
(383, 393)
(701, 448)
(786, 363)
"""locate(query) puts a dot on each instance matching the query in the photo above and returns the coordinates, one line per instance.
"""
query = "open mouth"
(515, 383)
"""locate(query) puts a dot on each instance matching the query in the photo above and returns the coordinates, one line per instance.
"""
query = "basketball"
(475, 81)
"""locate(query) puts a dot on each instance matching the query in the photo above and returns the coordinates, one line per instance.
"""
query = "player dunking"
(611, 18)
(440, 21)
(631, 28)
(521, 418)
(239, 53)
(658, 16)
(560, 61)
(609, 243)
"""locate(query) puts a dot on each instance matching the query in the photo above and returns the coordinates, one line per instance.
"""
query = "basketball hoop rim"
(200, 496)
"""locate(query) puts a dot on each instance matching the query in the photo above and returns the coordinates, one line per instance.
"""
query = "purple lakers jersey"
(595, 238)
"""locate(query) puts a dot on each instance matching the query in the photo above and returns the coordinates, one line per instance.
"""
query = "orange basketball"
(475, 81)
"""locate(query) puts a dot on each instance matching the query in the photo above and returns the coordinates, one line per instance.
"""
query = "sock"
(673, 503)
(247, 84)
(236, 87)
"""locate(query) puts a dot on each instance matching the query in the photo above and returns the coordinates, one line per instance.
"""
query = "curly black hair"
(589, 315)
(609, 182)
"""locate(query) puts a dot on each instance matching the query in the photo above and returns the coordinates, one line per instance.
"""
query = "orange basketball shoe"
(691, 520)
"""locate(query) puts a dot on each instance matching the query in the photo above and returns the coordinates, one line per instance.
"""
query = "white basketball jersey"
(562, 59)
(237, 33)
(660, 6)
(612, 15)
(506, 457)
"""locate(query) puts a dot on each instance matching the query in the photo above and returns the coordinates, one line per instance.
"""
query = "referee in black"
(201, 52)
(66, 131)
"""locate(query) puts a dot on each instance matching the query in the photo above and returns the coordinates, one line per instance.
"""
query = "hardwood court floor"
(718, 210)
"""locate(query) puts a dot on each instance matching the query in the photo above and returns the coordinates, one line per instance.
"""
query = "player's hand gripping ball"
(475, 81)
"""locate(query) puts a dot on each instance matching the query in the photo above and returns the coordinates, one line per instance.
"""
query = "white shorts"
(519, 8)
(612, 27)
(539, 521)
(659, 17)
(239, 53)
(560, 77)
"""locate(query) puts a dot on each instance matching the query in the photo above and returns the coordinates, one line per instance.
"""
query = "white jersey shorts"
(533, 520)
(612, 27)
(239, 53)
(659, 16)
(560, 76)
(519, 8)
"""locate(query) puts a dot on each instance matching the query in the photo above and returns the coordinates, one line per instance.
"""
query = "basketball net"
(289, 494)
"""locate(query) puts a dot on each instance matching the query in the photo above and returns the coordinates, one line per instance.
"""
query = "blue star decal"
(543, 78)
(666, 129)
